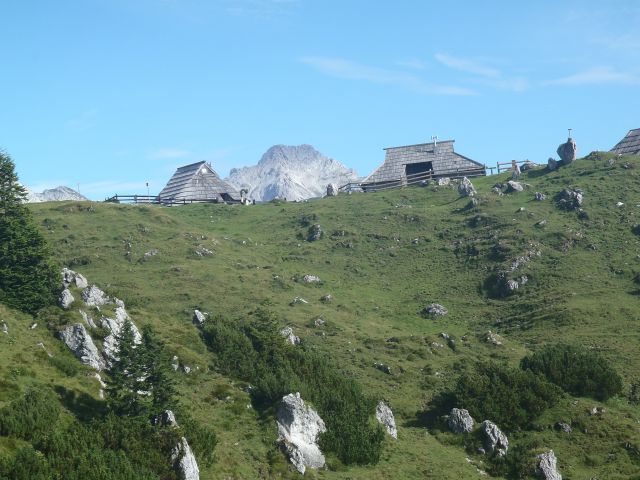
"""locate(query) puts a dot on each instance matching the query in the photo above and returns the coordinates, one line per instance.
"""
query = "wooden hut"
(629, 145)
(198, 182)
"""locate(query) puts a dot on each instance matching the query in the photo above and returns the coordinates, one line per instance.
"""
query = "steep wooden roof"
(445, 161)
(629, 145)
(198, 181)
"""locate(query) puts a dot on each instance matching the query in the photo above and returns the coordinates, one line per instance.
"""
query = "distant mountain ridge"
(292, 172)
(57, 194)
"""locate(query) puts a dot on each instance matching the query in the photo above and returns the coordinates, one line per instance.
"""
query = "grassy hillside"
(383, 257)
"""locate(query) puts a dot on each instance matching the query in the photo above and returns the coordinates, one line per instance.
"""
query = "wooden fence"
(156, 200)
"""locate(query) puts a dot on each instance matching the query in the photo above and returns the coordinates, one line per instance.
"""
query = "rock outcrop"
(69, 277)
(298, 430)
(57, 194)
(66, 299)
(114, 327)
(311, 279)
(514, 186)
(315, 233)
(184, 462)
(94, 297)
(570, 199)
(384, 415)
(567, 151)
(460, 421)
(199, 318)
(466, 188)
(494, 439)
(81, 344)
(546, 467)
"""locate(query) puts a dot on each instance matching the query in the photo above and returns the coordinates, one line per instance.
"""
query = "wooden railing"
(156, 200)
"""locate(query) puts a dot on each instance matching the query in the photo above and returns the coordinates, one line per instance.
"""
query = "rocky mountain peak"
(57, 194)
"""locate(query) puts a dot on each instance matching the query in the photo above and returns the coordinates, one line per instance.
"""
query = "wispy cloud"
(484, 74)
(168, 153)
(413, 63)
(602, 75)
(341, 68)
(467, 65)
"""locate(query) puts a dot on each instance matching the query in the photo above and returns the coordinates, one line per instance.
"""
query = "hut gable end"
(198, 182)
(439, 157)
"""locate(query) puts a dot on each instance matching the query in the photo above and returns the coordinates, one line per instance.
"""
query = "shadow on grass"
(82, 405)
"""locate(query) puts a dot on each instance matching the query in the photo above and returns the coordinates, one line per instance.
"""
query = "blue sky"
(110, 94)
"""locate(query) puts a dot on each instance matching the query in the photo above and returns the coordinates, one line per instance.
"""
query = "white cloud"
(165, 153)
(341, 68)
(467, 65)
(596, 76)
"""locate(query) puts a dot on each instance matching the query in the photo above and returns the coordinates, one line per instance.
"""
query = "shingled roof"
(445, 162)
(629, 145)
(198, 182)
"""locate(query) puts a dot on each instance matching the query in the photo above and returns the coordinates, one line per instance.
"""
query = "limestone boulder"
(466, 188)
(332, 190)
(436, 309)
(514, 186)
(66, 299)
(567, 151)
(547, 466)
(494, 439)
(315, 233)
(460, 421)
(570, 199)
(184, 461)
(298, 429)
(444, 182)
(552, 164)
(70, 278)
(94, 297)
(81, 344)
(199, 318)
(287, 334)
(311, 279)
(384, 415)
(114, 327)
(165, 419)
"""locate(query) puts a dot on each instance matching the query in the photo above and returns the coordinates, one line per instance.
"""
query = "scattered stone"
(619, 204)
(5, 328)
(514, 186)
(311, 279)
(436, 309)
(596, 411)
(319, 322)
(41, 345)
(611, 162)
(332, 190)
(466, 188)
(202, 251)
(497, 191)
(552, 164)
(567, 151)
(69, 277)
(444, 182)
(33, 326)
(175, 364)
(539, 197)
(493, 338)
(460, 421)
(570, 199)
(94, 297)
(541, 223)
(81, 344)
(494, 439)
(565, 427)
(384, 368)
(198, 318)
(184, 462)
(445, 335)
(547, 466)
(326, 298)
(415, 241)
(298, 429)
(299, 301)
(315, 233)
(151, 253)
(186, 369)
(527, 165)
(66, 299)
(287, 334)
(521, 209)
(386, 418)
(435, 345)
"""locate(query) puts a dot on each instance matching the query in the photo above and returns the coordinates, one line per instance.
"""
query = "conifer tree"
(157, 368)
(28, 277)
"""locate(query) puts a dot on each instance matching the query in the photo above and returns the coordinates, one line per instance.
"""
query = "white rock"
(514, 186)
(287, 334)
(311, 279)
(5, 329)
(87, 319)
(94, 297)
(114, 326)
(299, 300)
(444, 181)
(165, 419)
(57, 194)
(493, 338)
(386, 418)
(118, 302)
(494, 439)
(460, 421)
(547, 466)
(184, 462)
(298, 430)
(81, 344)
(332, 190)
(436, 309)
(466, 188)
(69, 277)
(199, 318)
(66, 299)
